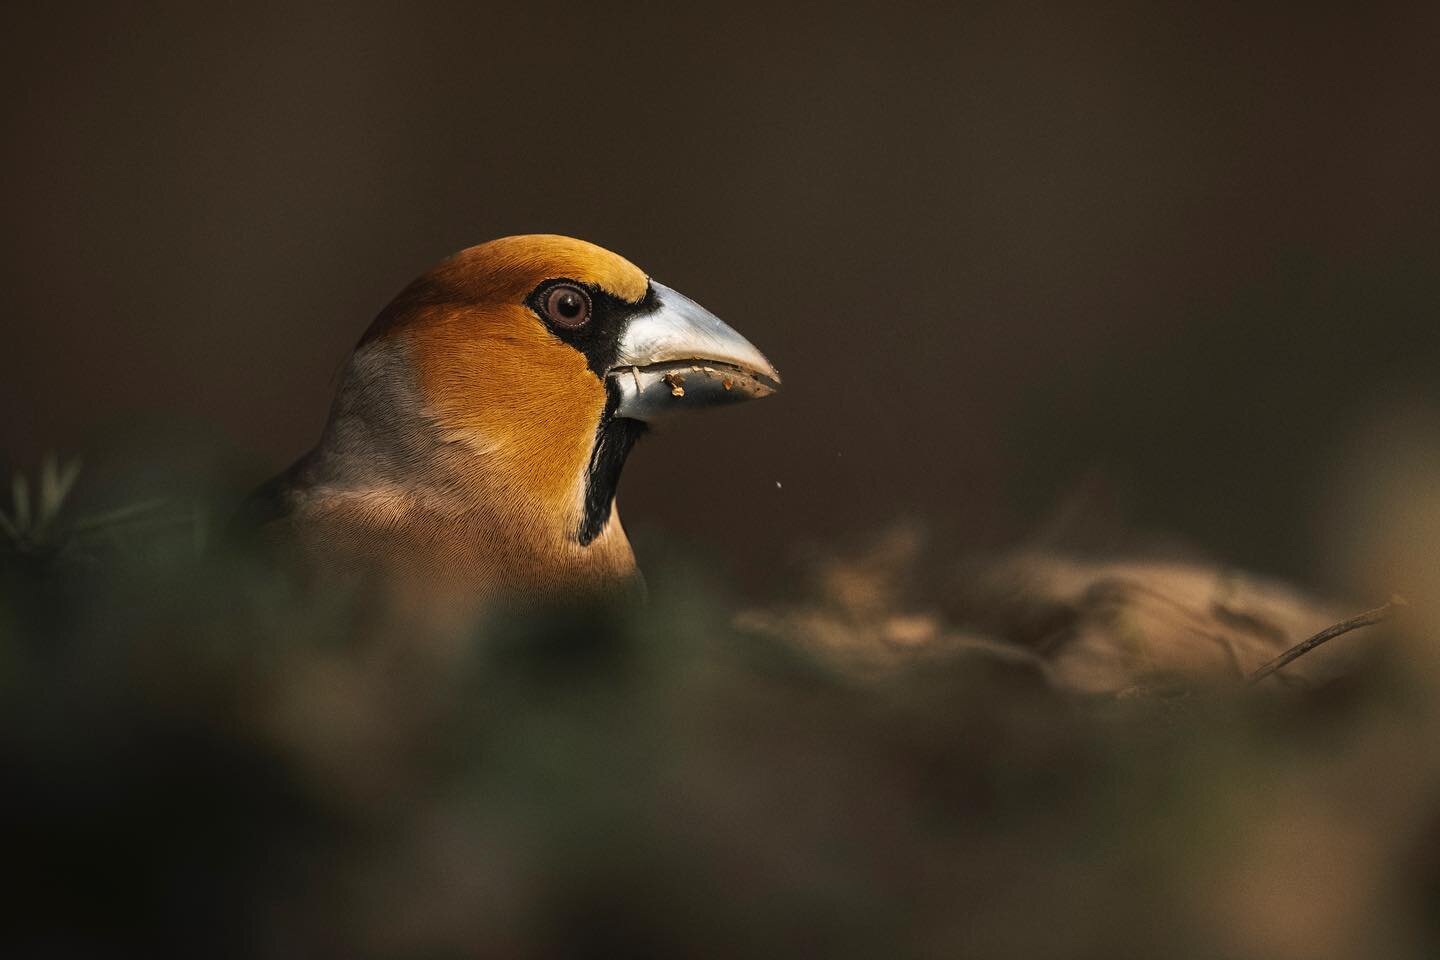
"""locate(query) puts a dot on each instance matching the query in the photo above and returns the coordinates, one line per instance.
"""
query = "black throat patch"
(614, 439)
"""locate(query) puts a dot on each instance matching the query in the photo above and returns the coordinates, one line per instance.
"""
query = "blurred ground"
(1030, 756)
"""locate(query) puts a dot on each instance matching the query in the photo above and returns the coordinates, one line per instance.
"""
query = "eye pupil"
(568, 306)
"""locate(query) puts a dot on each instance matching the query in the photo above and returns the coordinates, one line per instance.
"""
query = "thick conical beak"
(681, 356)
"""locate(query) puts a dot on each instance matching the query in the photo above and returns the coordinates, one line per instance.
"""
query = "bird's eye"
(567, 306)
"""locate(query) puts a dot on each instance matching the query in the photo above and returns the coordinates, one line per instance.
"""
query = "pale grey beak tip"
(681, 356)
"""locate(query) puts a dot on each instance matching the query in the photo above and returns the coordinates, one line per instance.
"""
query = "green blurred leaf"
(56, 482)
(129, 514)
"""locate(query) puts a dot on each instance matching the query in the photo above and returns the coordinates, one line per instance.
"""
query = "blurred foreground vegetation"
(201, 760)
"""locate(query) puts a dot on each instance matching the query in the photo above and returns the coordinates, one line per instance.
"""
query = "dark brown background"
(994, 248)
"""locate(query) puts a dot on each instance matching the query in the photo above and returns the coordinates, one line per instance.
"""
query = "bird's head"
(542, 358)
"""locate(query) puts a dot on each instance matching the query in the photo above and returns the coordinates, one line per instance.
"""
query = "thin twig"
(1368, 618)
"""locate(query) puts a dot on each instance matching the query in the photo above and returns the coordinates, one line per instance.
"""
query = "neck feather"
(381, 438)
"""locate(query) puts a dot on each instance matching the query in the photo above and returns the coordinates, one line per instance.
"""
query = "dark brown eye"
(567, 306)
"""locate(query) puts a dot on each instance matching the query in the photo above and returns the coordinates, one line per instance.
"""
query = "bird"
(477, 436)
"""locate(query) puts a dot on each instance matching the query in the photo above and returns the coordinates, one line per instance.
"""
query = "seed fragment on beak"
(676, 384)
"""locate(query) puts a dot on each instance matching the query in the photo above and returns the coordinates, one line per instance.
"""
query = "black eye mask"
(599, 338)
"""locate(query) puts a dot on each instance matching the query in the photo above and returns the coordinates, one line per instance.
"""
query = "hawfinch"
(482, 422)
